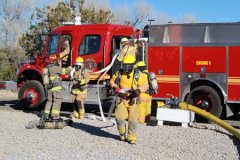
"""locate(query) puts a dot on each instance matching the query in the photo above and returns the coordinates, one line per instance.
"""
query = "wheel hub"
(30, 96)
(205, 104)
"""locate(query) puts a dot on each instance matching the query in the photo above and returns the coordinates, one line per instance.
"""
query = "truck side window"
(53, 44)
(90, 44)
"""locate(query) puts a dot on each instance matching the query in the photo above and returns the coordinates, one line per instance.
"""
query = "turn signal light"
(2, 86)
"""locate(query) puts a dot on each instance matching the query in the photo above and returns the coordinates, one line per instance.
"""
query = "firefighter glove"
(131, 102)
(82, 88)
(134, 93)
(116, 89)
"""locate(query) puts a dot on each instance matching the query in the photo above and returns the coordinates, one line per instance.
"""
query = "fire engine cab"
(195, 62)
(96, 43)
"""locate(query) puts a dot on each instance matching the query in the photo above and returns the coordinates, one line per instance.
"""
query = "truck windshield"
(89, 45)
(53, 44)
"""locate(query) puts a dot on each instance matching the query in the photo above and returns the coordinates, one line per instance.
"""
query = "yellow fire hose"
(211, 117)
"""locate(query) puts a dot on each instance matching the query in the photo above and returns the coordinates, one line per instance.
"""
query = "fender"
(28, 71)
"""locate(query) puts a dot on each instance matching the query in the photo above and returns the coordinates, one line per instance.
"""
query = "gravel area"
(93, 139)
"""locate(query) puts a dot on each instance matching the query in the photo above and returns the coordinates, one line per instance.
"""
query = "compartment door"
(164, 62)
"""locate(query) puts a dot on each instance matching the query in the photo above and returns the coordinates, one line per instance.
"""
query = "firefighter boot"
(75, 111)
(81, 109)
(122, 129)
(132, 137)
(148, 112)
(133, 141)
(75, 115)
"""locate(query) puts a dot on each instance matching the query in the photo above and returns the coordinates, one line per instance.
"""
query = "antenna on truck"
(77, 15)
(78, 20)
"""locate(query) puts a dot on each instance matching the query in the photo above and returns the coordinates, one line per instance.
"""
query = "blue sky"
(202, 10)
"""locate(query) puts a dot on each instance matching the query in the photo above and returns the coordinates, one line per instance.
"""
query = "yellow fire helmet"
(79, 60)
(128, 59)
(141, 64)
(124, 40)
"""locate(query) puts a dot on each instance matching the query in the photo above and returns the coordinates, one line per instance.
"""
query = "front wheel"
(31, 95)
(206, 98)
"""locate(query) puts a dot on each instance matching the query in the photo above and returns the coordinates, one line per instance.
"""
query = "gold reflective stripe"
(234, 80)
(52, 77)
(63, 70)
(56, 88)
(77, 91)
(97, 76)
(55, 112)
(168, 78)
(46, 111)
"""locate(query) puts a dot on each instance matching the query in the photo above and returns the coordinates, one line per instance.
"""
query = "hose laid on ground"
(211, 117)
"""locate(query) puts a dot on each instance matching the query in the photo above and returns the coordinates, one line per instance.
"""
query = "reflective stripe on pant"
(53, 104)
(145, 111)
(125, 112)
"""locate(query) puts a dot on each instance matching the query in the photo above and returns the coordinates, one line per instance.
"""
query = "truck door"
(91, 48)
(52, 48)
(234, 74)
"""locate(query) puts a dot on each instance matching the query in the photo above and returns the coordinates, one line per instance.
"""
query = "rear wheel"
(206, 98)
(31, 95)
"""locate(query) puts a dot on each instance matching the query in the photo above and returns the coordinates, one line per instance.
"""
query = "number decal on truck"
(203, 63)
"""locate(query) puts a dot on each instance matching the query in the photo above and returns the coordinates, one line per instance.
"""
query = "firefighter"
(53, 83)
(127, 48)
(64, 56)
(128, 83)
(146, 98)
(80, 78)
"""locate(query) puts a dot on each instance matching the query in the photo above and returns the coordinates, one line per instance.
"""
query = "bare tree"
(142, 10)
(121, 15)
(14, 16)
(137, 15)
(163, 18)
(96, 4)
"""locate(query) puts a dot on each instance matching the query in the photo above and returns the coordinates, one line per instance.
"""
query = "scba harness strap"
(136, 76)
(77, 83)
(55, 82)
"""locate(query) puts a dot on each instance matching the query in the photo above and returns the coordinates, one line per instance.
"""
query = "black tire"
(35, 87)
(207, 99)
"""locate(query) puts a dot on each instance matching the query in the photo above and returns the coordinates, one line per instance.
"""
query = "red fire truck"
(195, 62)
(96, 43)
(198, 63)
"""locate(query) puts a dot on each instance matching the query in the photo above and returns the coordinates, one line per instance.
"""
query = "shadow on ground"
(66, 108)
(96, 131)
(4, 104)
